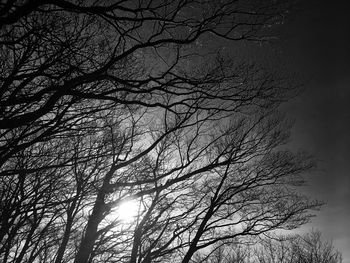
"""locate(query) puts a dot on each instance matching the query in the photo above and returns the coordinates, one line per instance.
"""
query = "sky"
(315, 44)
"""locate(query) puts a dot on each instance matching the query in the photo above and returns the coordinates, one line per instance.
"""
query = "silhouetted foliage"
(108, 101)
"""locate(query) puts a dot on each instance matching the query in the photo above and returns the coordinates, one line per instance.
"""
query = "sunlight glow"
(127, 211)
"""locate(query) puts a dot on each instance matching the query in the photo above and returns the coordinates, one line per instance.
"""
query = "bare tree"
(299, 248)
(108, 101)
(63, 60)
(230, 252)
(309, 247)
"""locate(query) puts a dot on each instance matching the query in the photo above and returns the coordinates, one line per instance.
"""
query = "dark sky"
(316, 44)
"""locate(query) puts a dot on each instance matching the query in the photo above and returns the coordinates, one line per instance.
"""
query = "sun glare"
(127, 210)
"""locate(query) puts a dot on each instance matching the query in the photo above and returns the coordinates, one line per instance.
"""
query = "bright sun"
(127, 210)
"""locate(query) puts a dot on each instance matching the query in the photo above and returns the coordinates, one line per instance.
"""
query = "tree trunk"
(88, 240)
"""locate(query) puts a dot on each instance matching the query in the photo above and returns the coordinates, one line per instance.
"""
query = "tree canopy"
(107, 103)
